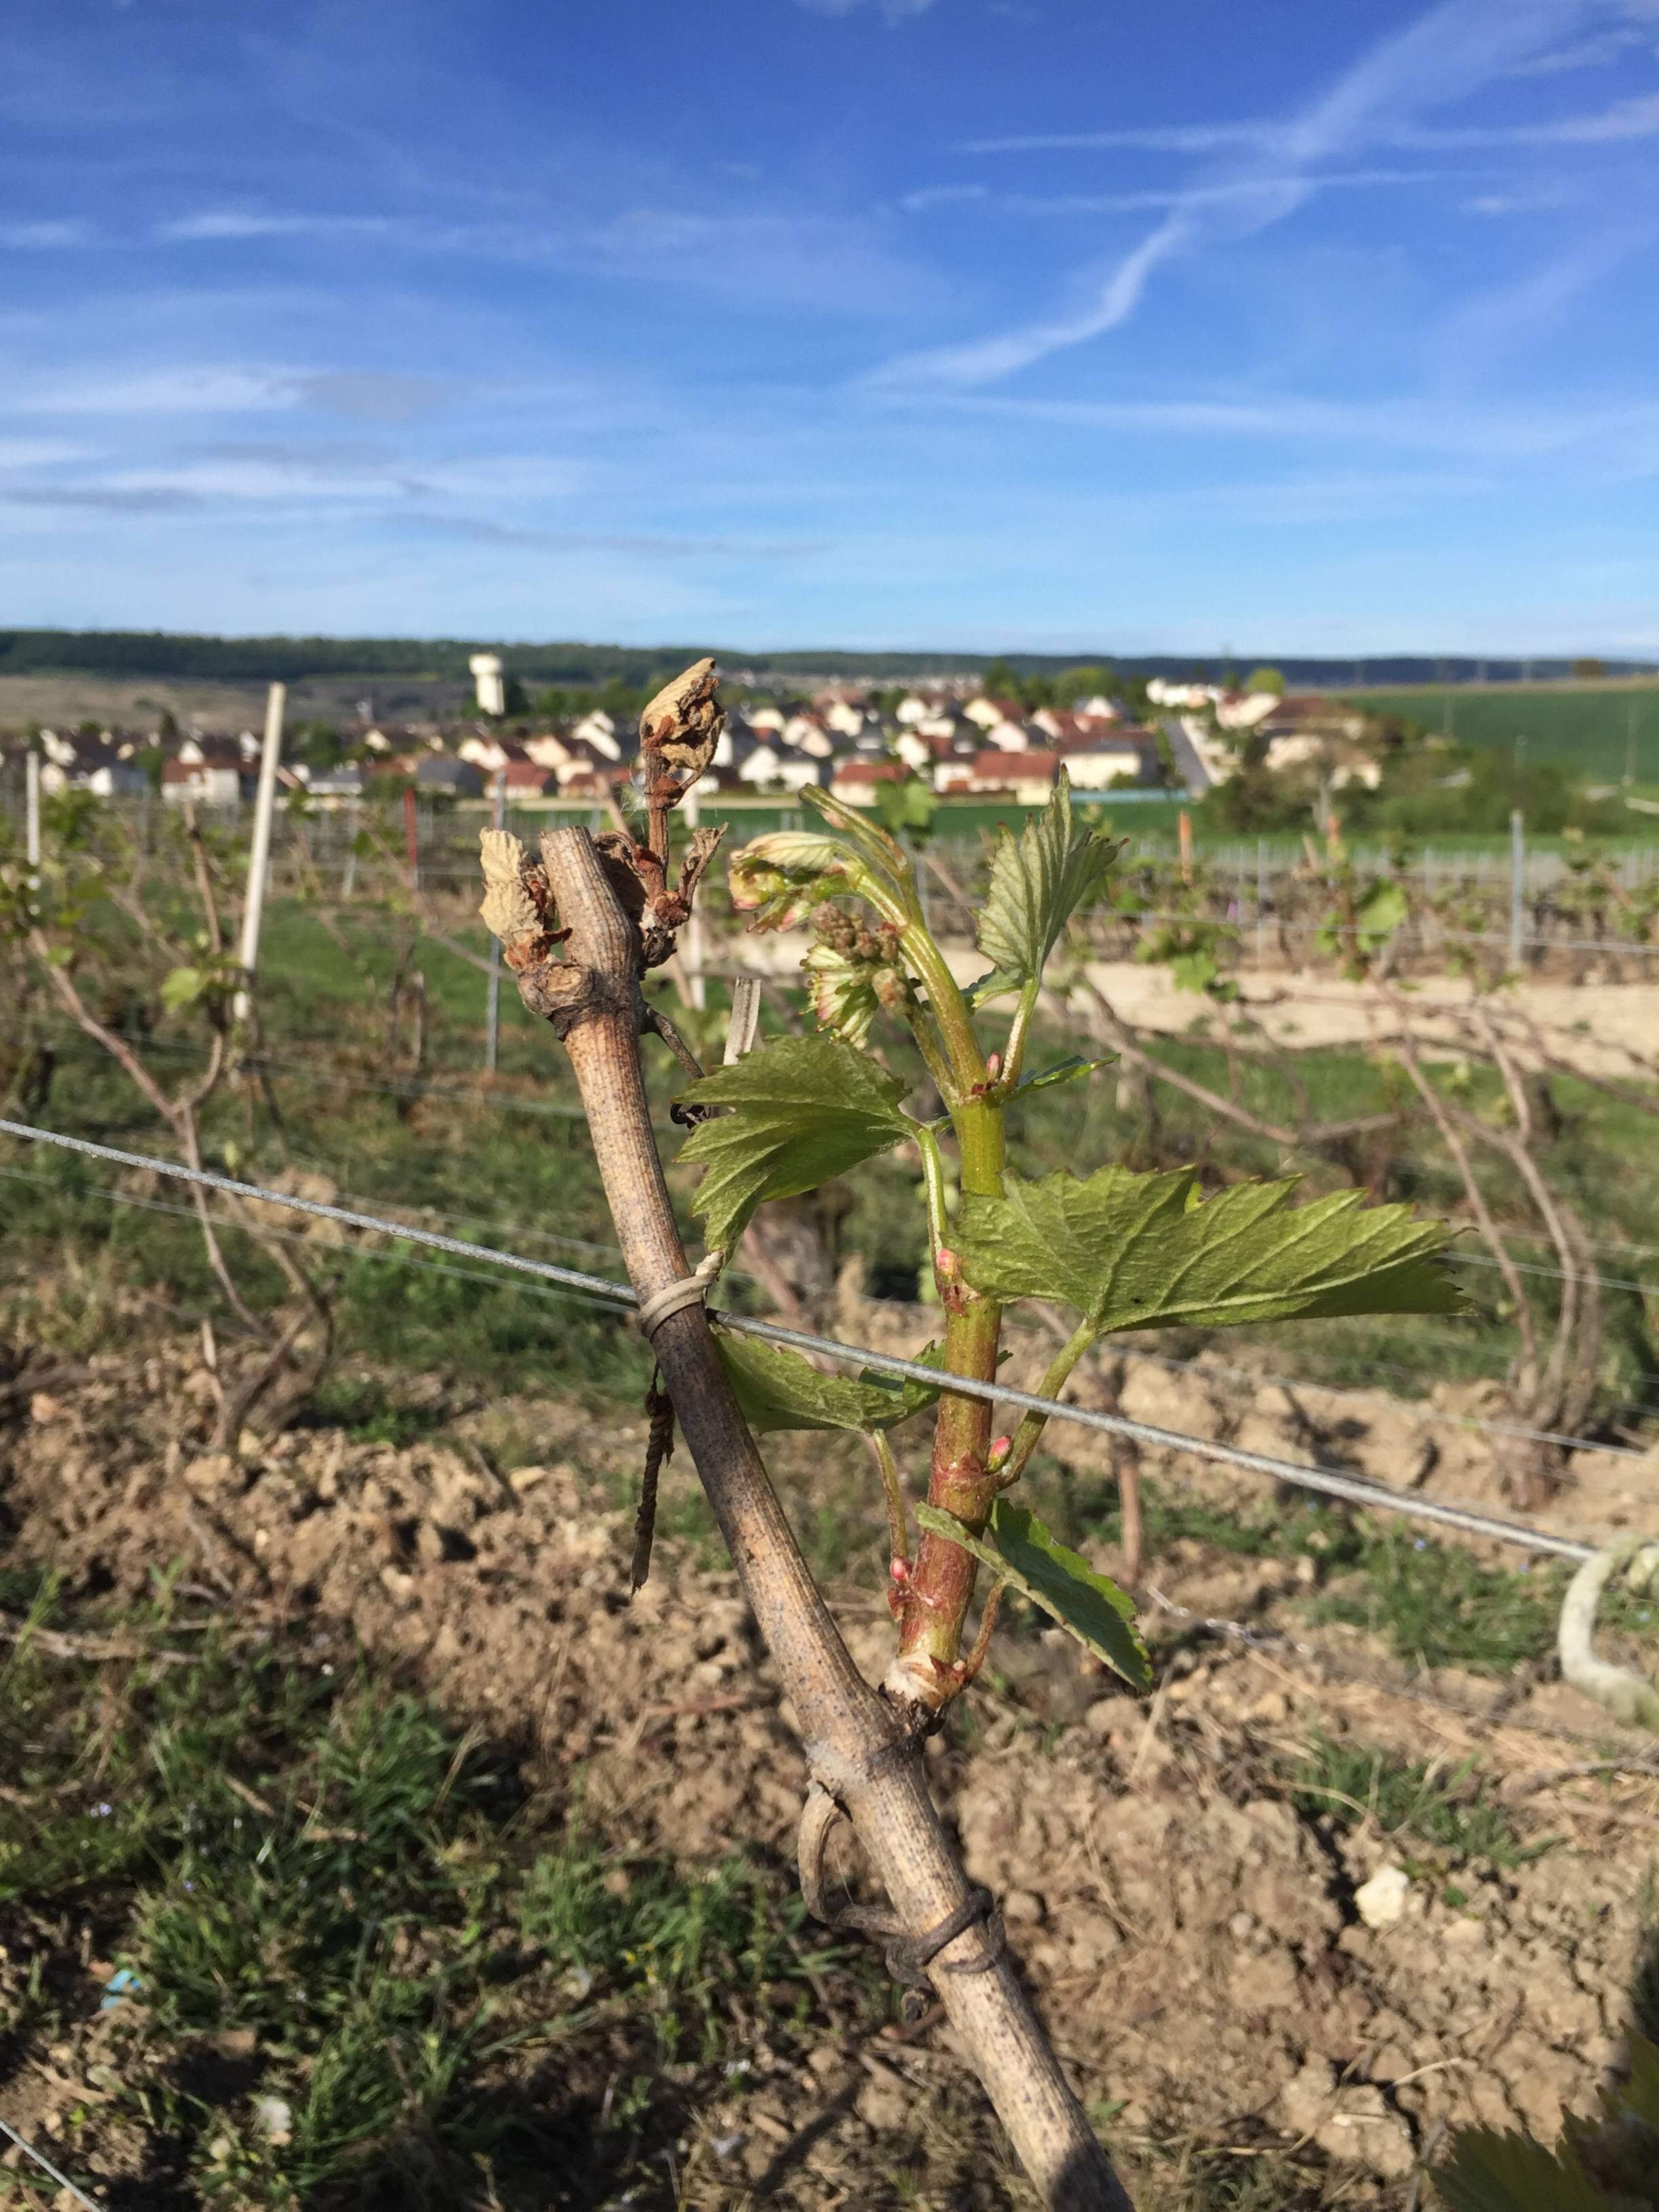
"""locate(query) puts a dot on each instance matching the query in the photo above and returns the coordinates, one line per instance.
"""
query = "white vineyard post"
(1518, 888)
(32, 808)
(265, 805)
(493, 1026)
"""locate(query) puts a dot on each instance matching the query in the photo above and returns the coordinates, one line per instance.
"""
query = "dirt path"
(1586, 1025)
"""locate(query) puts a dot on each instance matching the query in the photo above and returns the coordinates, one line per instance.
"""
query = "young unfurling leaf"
(1035, 885)
(1017, 1549)
(1141, 1251)
(804, 1108)
(779, 1389)
(1063, 1071)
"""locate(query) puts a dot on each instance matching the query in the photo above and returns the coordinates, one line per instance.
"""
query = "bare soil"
(1191, 1936)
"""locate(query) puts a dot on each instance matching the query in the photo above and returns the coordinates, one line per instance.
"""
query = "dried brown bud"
(509, 911)
(681, 727)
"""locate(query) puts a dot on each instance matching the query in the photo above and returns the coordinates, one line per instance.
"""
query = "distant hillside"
(164, 653)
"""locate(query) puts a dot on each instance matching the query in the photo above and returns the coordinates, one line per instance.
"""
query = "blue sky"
(975, 323)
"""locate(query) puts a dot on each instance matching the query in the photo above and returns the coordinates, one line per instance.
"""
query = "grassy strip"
(368, 1972)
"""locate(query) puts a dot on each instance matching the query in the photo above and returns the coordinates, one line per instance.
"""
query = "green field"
(1587, 729)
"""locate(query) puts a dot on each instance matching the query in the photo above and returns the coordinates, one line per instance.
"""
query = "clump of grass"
(1086, 1509)
(1435, 1603)
(368, 1412)
(1197, 2177)
(334, 1901)
(1348, 1783)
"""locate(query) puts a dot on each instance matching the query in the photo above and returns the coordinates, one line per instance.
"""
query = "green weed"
(1348, 1782)
(1436, 1604)
(332, 1901)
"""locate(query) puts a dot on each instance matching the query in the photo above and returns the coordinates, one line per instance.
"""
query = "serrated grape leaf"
(1035, 882)
(779, 1389)
(181, 988)
(1063, 1071)
(1490, 2172)
(804, 1108)
(1017, 1548)
(1147, 1251)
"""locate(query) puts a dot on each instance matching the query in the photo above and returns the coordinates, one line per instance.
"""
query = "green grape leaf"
(181, 988)
(779, 1389)
(1036, 884)
(1490, 2172)
(1383, 911)
(1019, 1549)
(905, 803)
(1193, 971)
(1063, 1071)
(804, 1108)
(1148, 1251)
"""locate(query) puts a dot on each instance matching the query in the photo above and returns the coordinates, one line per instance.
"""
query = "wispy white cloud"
(1489, 326)
(1636, 117)
(211, 390)
(216, 226)
(1156, 139)
(278, 476)
(987, 359)
(1135, 203)
(44, 237)
(746, 256)
(933, 196)
(1627, 437)
(892, 12)
(1454, 50)
(375, 396)
(1533, 199)
(1625, 118)
(1593, 52)
(37, 452)
(487, 531)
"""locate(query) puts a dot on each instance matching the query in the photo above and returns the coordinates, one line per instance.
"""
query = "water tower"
(487, 674)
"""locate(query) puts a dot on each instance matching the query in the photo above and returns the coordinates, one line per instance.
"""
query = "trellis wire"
(43, 2161)
(1325, 1481)
(416, 1088)
(1206, 1371)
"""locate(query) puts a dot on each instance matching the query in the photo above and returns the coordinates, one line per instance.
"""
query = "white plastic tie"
(744, 1018)
(688, 1291)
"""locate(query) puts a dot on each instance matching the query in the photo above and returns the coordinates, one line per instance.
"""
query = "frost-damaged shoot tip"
(679, 731)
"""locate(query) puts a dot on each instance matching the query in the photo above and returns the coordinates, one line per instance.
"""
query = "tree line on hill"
(288, 659)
